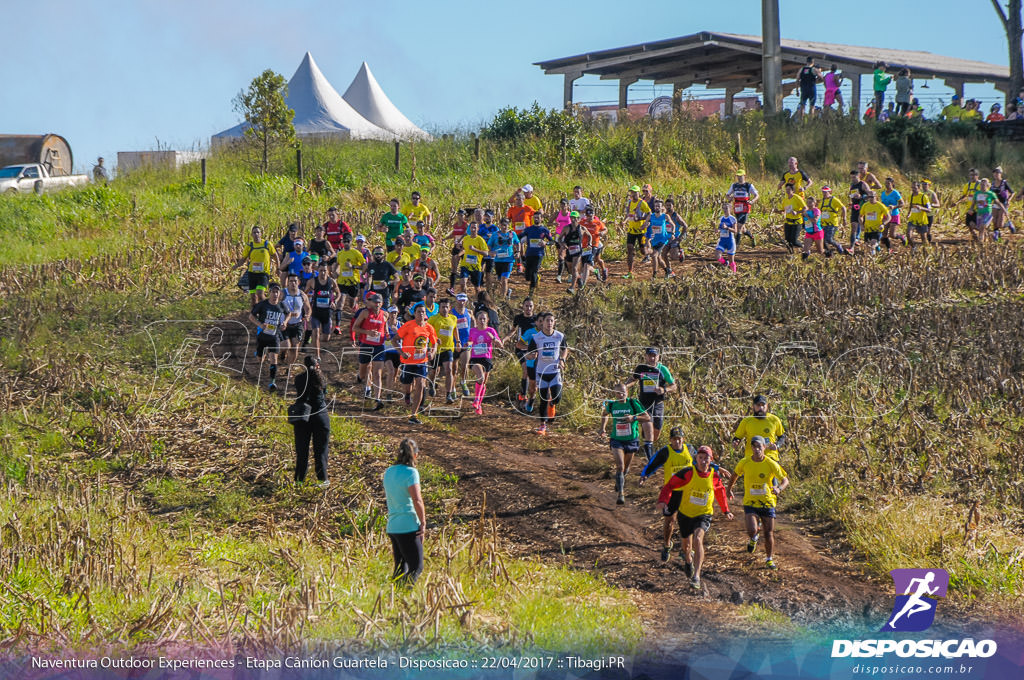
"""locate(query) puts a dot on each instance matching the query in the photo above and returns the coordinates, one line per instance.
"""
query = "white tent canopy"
(367, 97)
(319, 109)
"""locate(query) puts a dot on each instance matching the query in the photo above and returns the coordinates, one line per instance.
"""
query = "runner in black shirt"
(655, 381)
(270, 318)
(521, 323)
(380, 275)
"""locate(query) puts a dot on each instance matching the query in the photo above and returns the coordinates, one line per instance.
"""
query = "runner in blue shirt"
(504, 246)
(893, 200)
(659, 233)
(487, 229)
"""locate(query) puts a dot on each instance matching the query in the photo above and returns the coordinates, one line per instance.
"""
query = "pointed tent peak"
(367, 97)
(319, 108)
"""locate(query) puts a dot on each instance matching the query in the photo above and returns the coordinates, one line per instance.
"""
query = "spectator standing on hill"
(407, 515)
(311, 392)
(904, 90)
(833, 80)
(808, 77)
(99, 173)
(953, 111)
(881, 82)
(994, 114)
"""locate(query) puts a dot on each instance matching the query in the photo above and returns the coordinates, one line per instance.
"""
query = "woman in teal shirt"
(407, 518)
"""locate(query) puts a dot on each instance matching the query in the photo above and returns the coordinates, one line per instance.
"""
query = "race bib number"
(759, 490)
(700, 499)
(741, 208)
(827, 215)
(347, 272)
(649, 383)
(446, 332)
(623, 429)
(380, 285)
(257, 267)
(587, 251)
(870, 217)
(536, 243)
(372, 337)
(915, 209)
(480, 349)
(470, 259)
(519, 226)
(574, 250)
(270, 328)
(323, 301)
(462, 324)
(548, 353)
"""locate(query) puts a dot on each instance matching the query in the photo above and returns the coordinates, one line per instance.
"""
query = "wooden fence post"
(298, 163)
(202, 169)
(398, 156)
(476, 148)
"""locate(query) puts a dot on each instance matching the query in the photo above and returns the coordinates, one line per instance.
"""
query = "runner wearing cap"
(325, 297)
(659, 233)
(392, 224)
(474, 250)
(503, 246)
(446, 326)
(380, 276)
(572, 241)
(369, 334)
(699, 486)
(597, 230)
(529, 199)
(536, 239)
(634, 220)
(349, 263)
(627, 416)
(760, 496)
(459, 229)
(832, 212)
(761, 423)
(920, 214)
(423, 238)
(463, 322)
(486, 229)
(547, 347)
(261, 259)
(673, 458)
(292, 261)
(655, 381)
(359, 243)
(417, 341)
(873, 216)
(728, 229)
(270, 317)
(926, 187)
(416, 211)
(743, 195)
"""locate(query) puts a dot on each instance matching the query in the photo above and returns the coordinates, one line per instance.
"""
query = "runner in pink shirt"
(833, 79)
(562, 220)
(482, 339)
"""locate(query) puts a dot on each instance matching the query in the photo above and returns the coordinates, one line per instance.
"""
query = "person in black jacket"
(311, 388)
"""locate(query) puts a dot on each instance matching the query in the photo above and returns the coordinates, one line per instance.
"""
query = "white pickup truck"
(33, 177)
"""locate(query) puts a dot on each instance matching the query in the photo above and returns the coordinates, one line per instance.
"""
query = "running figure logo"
(917, 592)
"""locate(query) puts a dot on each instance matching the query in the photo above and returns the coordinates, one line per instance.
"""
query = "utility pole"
(771, 57)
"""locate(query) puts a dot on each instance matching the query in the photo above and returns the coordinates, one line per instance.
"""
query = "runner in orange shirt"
(597, 231)
(416, 341)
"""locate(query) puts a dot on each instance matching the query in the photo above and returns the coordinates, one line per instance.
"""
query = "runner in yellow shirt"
(759, 496)
(763, 424)
(833, 212)
(673, 458)
(529, 199)
(262, 259)
(793, 207)
(445, 324)
(795, 176)
(416, 211)
(920, 214)
(635, 221)
(972, 187)
(350, 264)
(398, 257)
(873, 216)
(474, 250)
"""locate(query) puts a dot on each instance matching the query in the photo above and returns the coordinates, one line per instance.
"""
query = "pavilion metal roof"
(731, 60)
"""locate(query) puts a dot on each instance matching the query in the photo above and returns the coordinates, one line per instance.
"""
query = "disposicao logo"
(917, 593)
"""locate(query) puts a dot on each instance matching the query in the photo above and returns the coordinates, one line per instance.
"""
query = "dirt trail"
(553, 499)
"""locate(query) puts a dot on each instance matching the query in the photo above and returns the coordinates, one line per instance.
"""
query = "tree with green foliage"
(268, 116)
(1014, 27)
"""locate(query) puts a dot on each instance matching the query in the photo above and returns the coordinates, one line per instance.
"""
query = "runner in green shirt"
(626, 415)
(392, 224)
(985, 201)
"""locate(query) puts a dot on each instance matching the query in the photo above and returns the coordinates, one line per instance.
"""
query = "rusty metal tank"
(52, 151)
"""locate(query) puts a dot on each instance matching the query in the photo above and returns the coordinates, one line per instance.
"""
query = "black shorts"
(872, 236)
(632, 446)
(854, 215)
(520, 355)
(350, 289)
(635, 239)
(482, 361)
(741, 218)
(475, 276)
(687, 525)
(488, 264)
(444, 356)
(657, 413)
(503, 268)
(587, 258)
(810, 97)
(321, 318)
(970, 220)
(412, 371)
(258, 281)
(267, 343)
(531, 373)
(293, 331)
(763, 513)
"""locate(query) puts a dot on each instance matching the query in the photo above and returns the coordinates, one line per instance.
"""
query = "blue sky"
(120, 75)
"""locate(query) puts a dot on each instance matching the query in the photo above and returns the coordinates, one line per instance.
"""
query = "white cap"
(360, 237)
(527, 188)
(462, 296)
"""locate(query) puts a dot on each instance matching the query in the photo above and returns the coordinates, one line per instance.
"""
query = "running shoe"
(752, 242)
(665, 553)
(558, 278)
(414, 420)
(451, 291)
(752, 543)
(670, 275)
(695, 583)
(569, 290)
(508, 294)
(431, 391)
(366, 392)
(721, 260)
(272, 386)
(789, 247)
(543, 429)
(621, 500)
(627, 276)
(479, 409)
(688, 569)
(995, 234)
(1013, 229)
(379, 405)
(770, 563)
(529, 407)
(732, 266)
(324, 484)
(337, 330)
(572, 279)
(604, 274)
(465, 389)
(450, 399)
(647, 258)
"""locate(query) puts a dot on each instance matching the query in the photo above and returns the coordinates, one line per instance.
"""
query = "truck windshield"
(11, 171)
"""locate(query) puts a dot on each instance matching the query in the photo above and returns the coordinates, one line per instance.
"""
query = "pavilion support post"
(677, 97)
(730, 96)
(570, 78)
(855, 94)
(956, 85)
(771, 57)
(624, 84)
